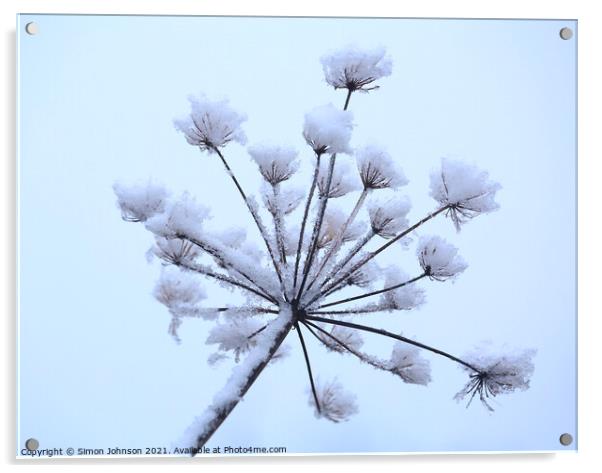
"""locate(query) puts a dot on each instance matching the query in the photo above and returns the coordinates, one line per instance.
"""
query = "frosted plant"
(316, 271)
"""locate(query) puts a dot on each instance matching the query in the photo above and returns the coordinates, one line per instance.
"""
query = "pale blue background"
(97, 97)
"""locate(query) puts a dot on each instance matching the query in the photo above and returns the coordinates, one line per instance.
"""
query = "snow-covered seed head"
(276, 163)
(497, 375)
(177, 289)
(389, 218)
(378, 170)
(284, 202)
(237, 335)
(211, 124)
(181, 217)
(465, 189)
(328, 129)
(342, 183)
(363, 276)
(439, 259)
(349, 337)
(354, 69)
(334, 221)
(175, 250)
(336, 404)
(409, 365)
(405, 297)
(140, 202)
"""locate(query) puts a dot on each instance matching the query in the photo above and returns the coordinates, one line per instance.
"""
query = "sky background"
(97, 96)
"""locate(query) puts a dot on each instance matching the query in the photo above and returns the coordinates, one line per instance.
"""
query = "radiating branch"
(376, 252)
(308, 366)
(374, 293)
(401, 338)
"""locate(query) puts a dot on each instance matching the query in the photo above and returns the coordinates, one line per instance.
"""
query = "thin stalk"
(218, 416)
(375, 253)
(349, 256)
(358, 354)
(216, 254)
(305, 216)
(255, 216)
(278, 225)
(355, 311)
(317, 226)
(374, 293)
(385, 333)
(349, 92)
(336, 246)
(308, 366)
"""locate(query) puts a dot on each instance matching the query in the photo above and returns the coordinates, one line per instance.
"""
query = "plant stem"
(308, 366)
(336, 245)
(278, 224)
(349, 92)
(385, 333)
(373, 254)
(255, 216)
(317, 226)
(374, 293)
(305, 216)
(219, 415)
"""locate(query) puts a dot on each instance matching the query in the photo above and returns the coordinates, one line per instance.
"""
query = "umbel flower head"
(211, 124)
(335, 404)
(276, 163)
(439, 259)
(139, 202)
(354, 69)
(465, 189)
(377, 169)
(328, 129)
(497, 375)
(343, 180)
(389, 218)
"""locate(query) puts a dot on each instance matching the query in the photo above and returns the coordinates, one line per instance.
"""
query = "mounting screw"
(32, 28)
(32, 444)
(566, 439)
(566, 33)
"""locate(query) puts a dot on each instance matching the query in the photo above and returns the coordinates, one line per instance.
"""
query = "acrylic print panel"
(162, 287)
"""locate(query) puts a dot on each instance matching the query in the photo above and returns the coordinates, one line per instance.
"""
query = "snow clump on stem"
(353, 68)
(328, 129)
(439, 259)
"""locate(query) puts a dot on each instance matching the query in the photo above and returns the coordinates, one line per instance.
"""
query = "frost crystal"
(389, 218)
(378, 170)
(497, 375)
(349, 337)
(175, 250)
(211, 124)
(334, 221)
(336, 404)
(236, 335)
(439, 259)
(465, 189)
(409, 365)
(276, 163)
(176, 289)
(285, 201)
(353, 68)
(328, 129)
(140, 202)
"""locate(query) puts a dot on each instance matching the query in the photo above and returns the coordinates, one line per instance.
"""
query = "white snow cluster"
(354, 68)
(343, 180)
(237, 334)
(327, 129)
(466, 189)
(211, 124)
(184, 216)
(498, 374)
(409, 365)
(177, 289)
(378, 170)
(406, 297)
(276, 163)
(349, 337)
(336, 404)
(333, 224)
(389, 218)
(175, 250)
(439, 259)
(139, 202)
